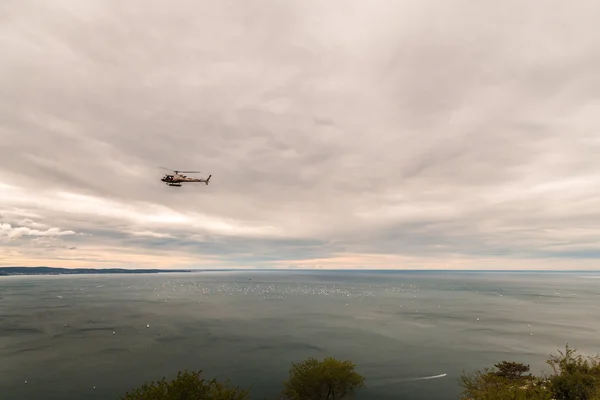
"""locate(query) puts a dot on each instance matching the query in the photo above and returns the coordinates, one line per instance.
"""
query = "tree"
(511, 370)
(575, 377)
(329, 379)
(187, 386)
(506, 381)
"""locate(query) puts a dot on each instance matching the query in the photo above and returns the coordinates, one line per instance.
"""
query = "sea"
(411, 334)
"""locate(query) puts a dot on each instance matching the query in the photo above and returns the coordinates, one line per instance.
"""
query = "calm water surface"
(86, 337)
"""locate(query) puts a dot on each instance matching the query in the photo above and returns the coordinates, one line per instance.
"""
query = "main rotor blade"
(178, 171)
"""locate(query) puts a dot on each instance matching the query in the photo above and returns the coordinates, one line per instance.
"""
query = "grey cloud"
(253, 251)
(418, 128)
(19, 231)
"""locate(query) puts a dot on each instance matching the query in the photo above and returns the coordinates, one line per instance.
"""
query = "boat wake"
(397, 381)
(425, 377)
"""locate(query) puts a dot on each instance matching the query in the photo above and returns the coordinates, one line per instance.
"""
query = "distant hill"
(5, 271)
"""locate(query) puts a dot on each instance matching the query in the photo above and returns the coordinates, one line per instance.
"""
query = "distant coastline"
(10, 271)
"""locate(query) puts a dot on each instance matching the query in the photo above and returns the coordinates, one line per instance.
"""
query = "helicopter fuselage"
(177, 180)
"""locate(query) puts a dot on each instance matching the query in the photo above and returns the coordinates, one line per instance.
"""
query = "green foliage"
(329, 379)
(504, 382)
(575, 377)
(187, 386)
(511, 370)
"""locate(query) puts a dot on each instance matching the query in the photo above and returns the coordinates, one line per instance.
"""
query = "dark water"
(56, 333)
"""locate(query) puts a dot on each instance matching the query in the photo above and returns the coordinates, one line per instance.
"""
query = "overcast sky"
(339, 134)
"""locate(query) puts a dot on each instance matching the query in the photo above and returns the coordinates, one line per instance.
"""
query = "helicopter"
(177, 179)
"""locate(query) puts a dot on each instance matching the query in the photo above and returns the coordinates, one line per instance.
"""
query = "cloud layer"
(340, 134)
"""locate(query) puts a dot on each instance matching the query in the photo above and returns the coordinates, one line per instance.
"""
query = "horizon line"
(303, 269)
